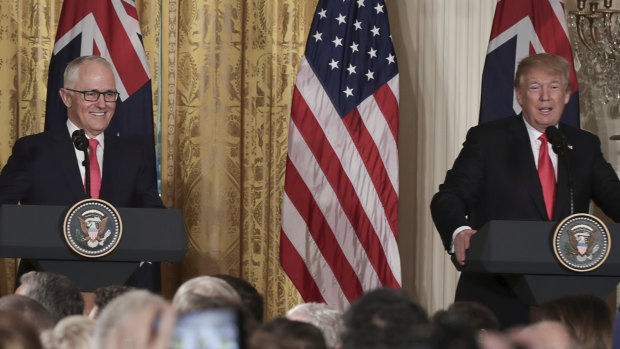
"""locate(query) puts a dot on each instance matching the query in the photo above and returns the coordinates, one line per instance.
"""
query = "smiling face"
(542, 96)
(93, 117)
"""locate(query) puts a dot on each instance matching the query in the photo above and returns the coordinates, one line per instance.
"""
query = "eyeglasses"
(93, 95)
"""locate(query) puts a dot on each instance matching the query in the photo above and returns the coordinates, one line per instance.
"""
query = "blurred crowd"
(221, 311)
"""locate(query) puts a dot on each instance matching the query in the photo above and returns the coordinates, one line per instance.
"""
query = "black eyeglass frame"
(96, 93)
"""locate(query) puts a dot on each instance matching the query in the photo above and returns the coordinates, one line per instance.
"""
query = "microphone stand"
(81, 143)
(560, 147)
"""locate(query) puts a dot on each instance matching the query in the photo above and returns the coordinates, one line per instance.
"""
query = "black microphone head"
(552, 133)
(557, 139)
(79, 140)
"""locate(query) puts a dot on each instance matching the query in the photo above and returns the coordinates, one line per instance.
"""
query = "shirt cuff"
(456, 231)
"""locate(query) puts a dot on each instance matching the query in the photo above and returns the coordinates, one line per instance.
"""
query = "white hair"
(327, 319)
(203, 287)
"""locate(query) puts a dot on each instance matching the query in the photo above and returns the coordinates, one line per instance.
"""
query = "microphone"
(557, 140)
(560, 146)
(79, 140)
(81, 143)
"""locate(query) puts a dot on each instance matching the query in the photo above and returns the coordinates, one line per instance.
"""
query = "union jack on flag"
(340, 205)
(521, 28)
(107, 28)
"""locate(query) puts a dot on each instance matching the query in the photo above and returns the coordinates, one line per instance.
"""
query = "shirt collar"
(72, 128)
(531, 131)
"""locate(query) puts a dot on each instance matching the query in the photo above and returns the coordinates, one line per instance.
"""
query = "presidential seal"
(581, 242)
(92, 228)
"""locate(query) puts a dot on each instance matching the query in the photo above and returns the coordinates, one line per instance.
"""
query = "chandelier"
(595, 36)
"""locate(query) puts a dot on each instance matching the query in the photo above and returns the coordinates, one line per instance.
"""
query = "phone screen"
(208, 329)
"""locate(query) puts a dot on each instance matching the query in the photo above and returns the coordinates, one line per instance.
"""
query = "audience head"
(251, 299)
(475, 315)
(126, 318)
(17, 333)
(281, 333)
(104, 295)
(31, 310)
(544, 335)
(445, 335)
(196, 289)
(328, 320)
(72, 332)
(383, 318)
(587, 318)
(57, 293)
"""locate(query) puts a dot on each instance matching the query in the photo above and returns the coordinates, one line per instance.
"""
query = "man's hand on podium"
(461, 244)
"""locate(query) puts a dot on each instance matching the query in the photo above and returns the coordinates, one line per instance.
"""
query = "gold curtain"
(225, 70)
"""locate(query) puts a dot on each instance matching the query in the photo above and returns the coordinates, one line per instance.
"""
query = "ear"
(65, 96)
(567, 97)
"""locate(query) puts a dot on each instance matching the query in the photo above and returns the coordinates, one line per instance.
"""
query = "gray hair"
(73, 68)
(327, 319)
(72, 332)
(120, 312)
(203, 287)
(57, 293)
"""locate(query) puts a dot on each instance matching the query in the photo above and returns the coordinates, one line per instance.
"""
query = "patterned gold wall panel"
(230, 72)
(27, 30)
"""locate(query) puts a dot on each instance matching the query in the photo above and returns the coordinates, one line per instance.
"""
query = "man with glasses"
(46, 168)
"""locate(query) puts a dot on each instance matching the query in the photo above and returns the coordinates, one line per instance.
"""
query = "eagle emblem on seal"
(93, 228)
(581, 238)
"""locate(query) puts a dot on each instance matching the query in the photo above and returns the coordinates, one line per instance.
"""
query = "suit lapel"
(110, 165)
(66, 159)
(521, 141)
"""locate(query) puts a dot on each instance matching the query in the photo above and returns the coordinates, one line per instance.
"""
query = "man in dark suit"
(45, 168)
(497, 177)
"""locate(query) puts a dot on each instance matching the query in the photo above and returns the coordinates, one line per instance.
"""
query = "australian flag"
(521, 28)
(107, 28)
(110, 29)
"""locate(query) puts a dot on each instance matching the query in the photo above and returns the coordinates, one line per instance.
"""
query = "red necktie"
(547, 175)
(95, 172)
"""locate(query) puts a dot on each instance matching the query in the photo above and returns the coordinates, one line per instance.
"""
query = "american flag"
(340, 205)
(107, 28)
(521, 28)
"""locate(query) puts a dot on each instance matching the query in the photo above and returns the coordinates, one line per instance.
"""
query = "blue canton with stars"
(350, 50)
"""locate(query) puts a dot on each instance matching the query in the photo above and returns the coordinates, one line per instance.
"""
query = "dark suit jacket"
(43, 170)
(495, 177)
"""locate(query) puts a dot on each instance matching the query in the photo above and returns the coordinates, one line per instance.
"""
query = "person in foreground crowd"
(497, 176)
(383, 318)
(72, 332)
(327, 319)
(104, 295)
(57, 293)
(250, 297)
(544, 335)
(31, 310)
(209, 287)
(475, 315)
(282, 333)
(129, 322)
(17, 333)
(587, 318)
